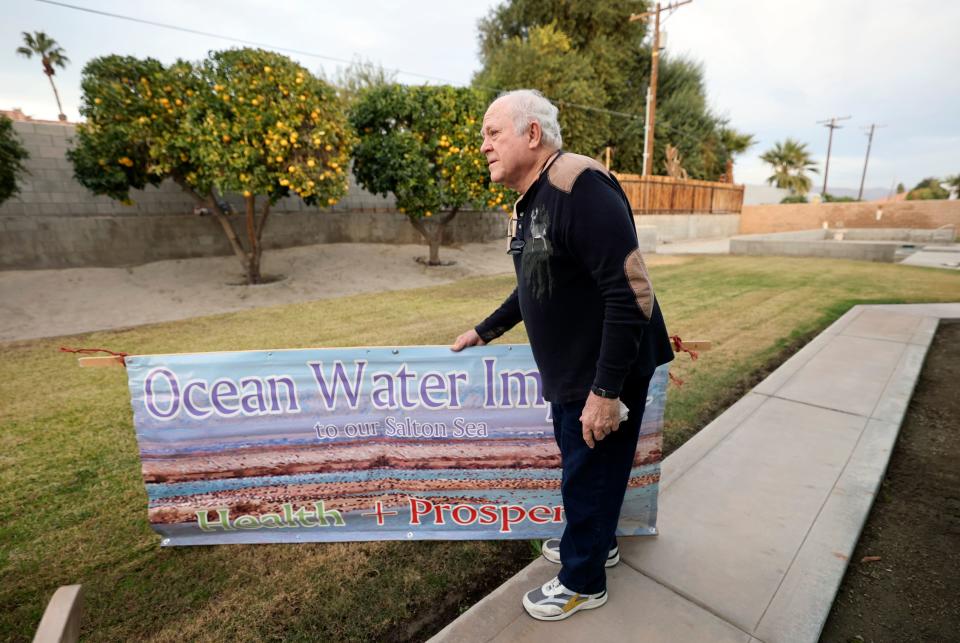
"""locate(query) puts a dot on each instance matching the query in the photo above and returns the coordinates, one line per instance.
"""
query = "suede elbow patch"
(639, 280)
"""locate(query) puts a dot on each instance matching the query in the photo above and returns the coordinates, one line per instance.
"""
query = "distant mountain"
(869, 194)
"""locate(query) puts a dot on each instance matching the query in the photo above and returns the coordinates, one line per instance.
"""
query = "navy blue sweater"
(583, 291)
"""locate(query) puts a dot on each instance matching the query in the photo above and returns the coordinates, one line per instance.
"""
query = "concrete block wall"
(55, 222)
(679, 227)
(35, 242)
(51, 183)
(876, 244)
(865, 251)
(941, 235)
(758, 219)
(50, 189)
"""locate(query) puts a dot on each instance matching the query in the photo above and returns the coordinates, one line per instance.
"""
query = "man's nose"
(485, 147)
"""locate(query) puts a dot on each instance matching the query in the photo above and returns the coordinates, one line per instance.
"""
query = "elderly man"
(595, 328)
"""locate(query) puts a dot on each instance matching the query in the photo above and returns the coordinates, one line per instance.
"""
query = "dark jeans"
(593, 485)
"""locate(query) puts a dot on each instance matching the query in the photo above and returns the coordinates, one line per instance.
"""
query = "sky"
(772, 67)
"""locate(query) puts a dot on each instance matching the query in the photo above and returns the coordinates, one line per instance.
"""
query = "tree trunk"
(253, 238)
(210, 203)
(433, 234)
(253, 269)
(231, 235)
(56, 95)
(435, 248)
(249, 259)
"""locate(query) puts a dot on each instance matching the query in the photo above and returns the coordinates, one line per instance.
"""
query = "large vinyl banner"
(361, 444)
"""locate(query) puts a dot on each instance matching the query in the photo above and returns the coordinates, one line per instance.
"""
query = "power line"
(652, 88)
(563, 103)
(832, 124)
(209, 34)
(671, 11)
(866, 160)
(310, 54)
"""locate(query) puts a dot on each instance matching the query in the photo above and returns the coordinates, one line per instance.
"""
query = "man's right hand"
(469, 338)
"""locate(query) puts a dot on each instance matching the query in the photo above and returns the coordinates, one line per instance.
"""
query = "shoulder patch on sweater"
(639, 279)
(564, 171)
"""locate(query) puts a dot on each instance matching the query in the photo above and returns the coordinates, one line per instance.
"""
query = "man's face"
(510, 156)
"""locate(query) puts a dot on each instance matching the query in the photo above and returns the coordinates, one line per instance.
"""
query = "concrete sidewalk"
(936, 256)
(760, 511)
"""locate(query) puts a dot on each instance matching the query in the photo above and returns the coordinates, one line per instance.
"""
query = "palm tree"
(954, 183)
(791, 161)
(735, 142)
(50, 54)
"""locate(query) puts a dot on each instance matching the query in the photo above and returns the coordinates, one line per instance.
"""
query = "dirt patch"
(513, 556)
(903, 581)
(48, 303)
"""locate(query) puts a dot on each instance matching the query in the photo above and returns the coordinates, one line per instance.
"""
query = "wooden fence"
(666, 195)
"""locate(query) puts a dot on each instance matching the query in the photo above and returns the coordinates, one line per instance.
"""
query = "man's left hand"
(600, 417)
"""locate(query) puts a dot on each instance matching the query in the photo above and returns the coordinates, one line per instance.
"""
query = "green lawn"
(73, 507)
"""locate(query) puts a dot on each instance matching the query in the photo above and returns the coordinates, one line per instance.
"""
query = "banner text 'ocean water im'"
(361, 444)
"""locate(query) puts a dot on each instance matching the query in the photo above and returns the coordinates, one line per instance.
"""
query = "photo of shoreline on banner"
(352, 444)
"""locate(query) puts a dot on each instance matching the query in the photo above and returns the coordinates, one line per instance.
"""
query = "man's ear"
(534, 135)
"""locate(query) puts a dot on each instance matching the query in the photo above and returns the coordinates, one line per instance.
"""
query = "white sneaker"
(554, 602)
(551, 551)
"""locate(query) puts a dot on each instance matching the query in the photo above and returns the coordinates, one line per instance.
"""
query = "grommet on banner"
(690, 348)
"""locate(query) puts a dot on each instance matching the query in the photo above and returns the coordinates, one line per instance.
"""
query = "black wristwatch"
(602, 392)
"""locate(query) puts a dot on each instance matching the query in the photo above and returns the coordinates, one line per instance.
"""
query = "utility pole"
(863, 178)
(832, 124)
(652, 91)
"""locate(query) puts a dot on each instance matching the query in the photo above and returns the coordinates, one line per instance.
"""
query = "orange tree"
(12, 157)
(423, 145)
(244, 121)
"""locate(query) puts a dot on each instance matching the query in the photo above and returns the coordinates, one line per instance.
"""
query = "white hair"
(529, 105)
